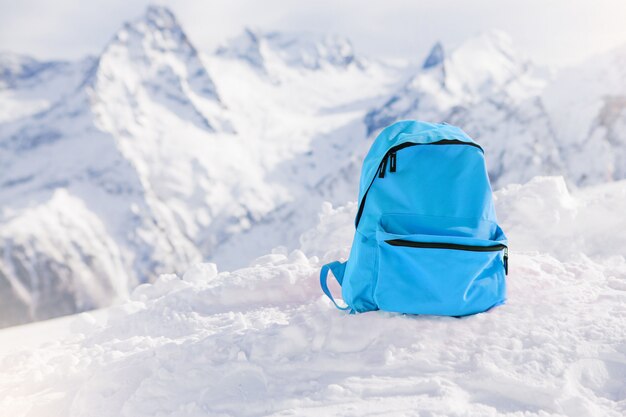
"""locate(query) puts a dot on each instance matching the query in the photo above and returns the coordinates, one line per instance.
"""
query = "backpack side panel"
(361, 273)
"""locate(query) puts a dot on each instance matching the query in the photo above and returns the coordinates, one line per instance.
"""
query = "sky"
(554, 33)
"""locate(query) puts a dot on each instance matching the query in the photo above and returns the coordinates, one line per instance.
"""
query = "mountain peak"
(482, 67)
(312, 51)
(153, 55)
(298, 50)
(157, 29)
(435, 57)
(484, 64)
(160, 17)
(16, 67)
(246, 47)
(493, 43)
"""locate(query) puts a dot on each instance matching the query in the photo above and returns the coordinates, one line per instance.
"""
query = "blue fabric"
(437, 194)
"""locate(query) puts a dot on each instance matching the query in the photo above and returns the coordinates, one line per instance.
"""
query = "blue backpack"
(427, 240)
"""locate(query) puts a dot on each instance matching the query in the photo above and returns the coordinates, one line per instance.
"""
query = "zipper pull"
(392, 162)
(506, 261)
(383, 168)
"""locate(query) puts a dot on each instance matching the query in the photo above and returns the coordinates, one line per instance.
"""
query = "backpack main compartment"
(427, 239)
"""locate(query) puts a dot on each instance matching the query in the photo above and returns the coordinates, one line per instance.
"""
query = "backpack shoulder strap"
(338, 269)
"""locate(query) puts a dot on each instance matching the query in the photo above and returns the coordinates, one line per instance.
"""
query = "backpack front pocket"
(441, 275)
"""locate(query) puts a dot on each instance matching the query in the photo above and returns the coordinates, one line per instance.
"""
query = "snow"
(198, 194)
(303, 50)
(63, 225)
(262, 340)
(181, 156)
(543, 216)
(494, 94)
(123, 173)
(28, 86)
(594, 94)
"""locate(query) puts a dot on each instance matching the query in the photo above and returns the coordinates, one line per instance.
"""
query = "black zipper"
(455, 246)
(391, 155)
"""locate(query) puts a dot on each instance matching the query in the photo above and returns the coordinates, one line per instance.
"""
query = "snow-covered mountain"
(486, 88)
(587, 107)
(154, 155)
(530, 122)
(29, 86)
(158, 156)
(297, 50)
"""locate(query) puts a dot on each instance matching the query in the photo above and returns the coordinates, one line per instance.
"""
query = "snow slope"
(29, 86)
(263, 341)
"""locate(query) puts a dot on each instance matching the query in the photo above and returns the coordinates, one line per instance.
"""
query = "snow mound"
(542, 215)
(262, 340)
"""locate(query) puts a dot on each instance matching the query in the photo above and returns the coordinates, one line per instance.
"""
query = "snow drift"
(262, 340)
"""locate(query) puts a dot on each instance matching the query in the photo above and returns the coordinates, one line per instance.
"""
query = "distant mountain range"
(154, 155)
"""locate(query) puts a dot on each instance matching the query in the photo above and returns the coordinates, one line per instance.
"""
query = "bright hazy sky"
(551, 32)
